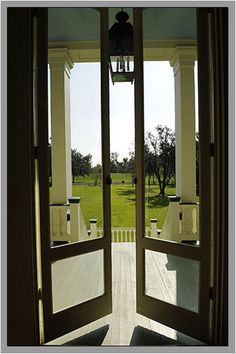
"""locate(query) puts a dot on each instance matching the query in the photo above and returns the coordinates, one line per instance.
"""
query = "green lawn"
(122, 203)
(116, 178)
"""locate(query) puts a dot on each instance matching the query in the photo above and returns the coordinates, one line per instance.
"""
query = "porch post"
(60, 66)
(183, 66)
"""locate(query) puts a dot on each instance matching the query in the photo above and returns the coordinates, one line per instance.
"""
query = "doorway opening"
(80, 196)
(29, 137)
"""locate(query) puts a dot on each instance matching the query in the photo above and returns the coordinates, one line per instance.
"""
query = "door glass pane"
(170, 124)
(75, 125)
(77, 279)
(172, 279)
(122, 140)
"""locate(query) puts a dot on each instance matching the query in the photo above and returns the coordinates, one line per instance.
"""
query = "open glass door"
(76, 259)
(173, 263)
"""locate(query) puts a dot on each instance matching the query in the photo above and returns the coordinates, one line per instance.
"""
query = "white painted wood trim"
(162, 50)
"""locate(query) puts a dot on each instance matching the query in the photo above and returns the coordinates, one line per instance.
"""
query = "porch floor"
(124, 327)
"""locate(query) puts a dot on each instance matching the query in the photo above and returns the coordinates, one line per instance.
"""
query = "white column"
(60, 66)
(183, 66)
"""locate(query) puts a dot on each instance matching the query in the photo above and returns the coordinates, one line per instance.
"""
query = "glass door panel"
(76, 186)
(171, 124)
(172, 279)
(77, 279)
(122, 147)
(173, 255)
(76, 242)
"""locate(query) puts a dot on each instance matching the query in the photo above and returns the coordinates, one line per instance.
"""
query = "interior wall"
(22, 316)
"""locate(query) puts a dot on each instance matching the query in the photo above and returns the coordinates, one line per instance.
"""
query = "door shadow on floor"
(94, 338)
(141, 337)
(145, 337)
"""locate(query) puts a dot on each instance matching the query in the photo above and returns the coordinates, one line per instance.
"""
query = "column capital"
(183, 57)
(60, 58)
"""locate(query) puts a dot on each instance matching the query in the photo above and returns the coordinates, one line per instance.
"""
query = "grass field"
(122, 201)
(122, 204)
(116, 178)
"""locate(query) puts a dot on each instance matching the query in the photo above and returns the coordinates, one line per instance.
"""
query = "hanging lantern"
(121, 49)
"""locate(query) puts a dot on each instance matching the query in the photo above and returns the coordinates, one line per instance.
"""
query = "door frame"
(23, 307)
(218, 21)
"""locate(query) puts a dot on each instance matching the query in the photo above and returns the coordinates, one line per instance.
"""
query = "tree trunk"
(162, 190)
(162, 187)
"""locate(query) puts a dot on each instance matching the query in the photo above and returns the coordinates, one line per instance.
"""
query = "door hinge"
(180, 216)
(212, 149)
(36, 152)
(211, 292)
(40, 294)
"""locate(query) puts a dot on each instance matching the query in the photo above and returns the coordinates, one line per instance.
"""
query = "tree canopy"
(159, 157)
(81, 165)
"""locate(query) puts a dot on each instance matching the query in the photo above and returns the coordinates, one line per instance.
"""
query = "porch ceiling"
(77, 29)
(82, 24)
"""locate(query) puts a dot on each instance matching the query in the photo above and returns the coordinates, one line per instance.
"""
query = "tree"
(131, 166)
(124, 165)
(161, 147)
(149, 160)
(81, 165)
(114, 162)
(97, 174)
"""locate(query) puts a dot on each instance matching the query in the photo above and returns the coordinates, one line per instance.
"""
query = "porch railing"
(67, 222)
(123, 234)
(181, 224)
(68, 225)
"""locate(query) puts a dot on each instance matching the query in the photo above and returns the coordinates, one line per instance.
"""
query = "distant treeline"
(159, 160)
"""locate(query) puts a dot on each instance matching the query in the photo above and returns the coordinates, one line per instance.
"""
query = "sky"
(85, 103)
